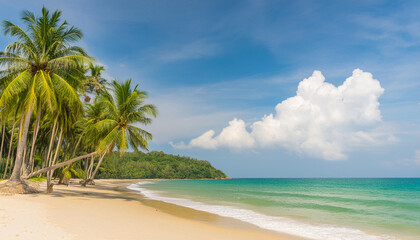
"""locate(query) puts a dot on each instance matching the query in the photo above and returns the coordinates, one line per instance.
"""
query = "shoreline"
(288, 227)
(198, 215)
(108, 210)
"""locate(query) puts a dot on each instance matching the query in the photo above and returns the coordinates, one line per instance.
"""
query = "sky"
(266, 88)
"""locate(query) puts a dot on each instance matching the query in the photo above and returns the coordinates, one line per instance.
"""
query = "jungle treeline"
(156, 165)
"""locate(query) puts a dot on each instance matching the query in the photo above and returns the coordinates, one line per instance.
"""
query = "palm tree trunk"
(47, 161)
(19, 137)
(86, 166)
(11, 164)
(90, 169)
(15, 177)
(31, 155)
(23, 161)
(97, 167)
(44, 163)
(57, 150)
(77, 144)
(10, 147)
(2, 142)
(12, 160)
(58, 165)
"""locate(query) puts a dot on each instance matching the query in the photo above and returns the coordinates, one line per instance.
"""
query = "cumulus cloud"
(234, 136)
(322, 120)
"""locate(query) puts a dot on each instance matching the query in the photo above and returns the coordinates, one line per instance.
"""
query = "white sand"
(99, 212)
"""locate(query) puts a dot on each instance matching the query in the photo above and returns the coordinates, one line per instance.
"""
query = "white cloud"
(185, 112)
(321, 120)
(234, 136)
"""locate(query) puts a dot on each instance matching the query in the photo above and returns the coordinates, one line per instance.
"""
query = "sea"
(322, 209)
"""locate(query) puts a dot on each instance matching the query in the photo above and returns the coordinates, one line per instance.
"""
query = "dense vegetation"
(156, 165)
(47, 119)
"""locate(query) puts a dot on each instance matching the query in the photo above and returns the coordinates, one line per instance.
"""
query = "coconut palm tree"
(94, 83)
(40, 68)
(122, 110)
(97, 82)
(42, 79)
(112, 125)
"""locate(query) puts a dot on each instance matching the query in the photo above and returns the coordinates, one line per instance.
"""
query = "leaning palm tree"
(40, 68)
(117, 129)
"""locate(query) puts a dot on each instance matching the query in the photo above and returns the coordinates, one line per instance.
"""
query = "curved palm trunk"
(10, 148)
(58, 165)
(31, 155)
(15, 177)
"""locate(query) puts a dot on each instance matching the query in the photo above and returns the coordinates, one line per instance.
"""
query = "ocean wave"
(279, 224)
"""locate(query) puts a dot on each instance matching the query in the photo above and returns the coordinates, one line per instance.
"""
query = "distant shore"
(108, 211)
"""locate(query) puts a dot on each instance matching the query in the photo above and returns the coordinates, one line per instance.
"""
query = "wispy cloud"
(391, 32)
(193, 50)
(389, 26)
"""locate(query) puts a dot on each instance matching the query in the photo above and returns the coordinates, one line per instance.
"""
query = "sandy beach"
(103, 212)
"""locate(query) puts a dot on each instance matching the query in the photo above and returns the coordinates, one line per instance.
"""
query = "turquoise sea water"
(310, 208)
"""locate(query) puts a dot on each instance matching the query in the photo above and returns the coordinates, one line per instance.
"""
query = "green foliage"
(156, 165)
(37, 179)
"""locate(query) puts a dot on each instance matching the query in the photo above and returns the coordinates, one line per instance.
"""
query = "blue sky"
(206, 63)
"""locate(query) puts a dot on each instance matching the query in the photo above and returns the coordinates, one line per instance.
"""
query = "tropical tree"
(112, 125)
(95, 82)
(121, 111)
(40, 68)
(43, 78)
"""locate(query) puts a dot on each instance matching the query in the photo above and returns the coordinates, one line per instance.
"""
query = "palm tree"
(95, 82)
(66, 118)
(42, 79)
(40, 68)
(112, 125)
(121, 111)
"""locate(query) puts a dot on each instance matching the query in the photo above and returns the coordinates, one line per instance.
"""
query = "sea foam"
(279, 224)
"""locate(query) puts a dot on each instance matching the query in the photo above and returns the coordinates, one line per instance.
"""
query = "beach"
(309, 208)
(104, 212)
